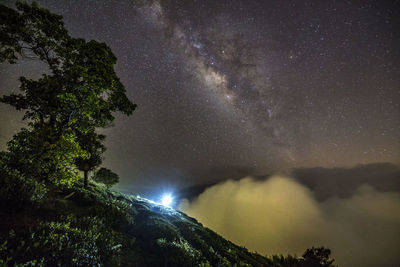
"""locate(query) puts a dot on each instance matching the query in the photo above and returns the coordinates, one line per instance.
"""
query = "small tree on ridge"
(106, 176)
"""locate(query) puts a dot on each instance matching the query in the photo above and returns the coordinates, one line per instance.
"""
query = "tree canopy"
(106, 176)
(78, 93)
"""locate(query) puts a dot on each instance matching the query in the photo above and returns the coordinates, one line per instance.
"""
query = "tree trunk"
(85, 179)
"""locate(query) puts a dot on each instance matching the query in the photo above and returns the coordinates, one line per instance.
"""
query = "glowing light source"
(166, 200)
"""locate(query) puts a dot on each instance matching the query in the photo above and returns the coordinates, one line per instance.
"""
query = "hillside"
(85, 227)
(99, 227)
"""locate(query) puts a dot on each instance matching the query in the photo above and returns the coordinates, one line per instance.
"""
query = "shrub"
(17, 191)
(69, 242)
(44, 161)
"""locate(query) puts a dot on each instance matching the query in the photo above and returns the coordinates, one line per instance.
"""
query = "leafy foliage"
(312, 257)
(44, 161)
(69, 242)
(106, 176)
(318, 257)
(91, 142)
(79, 93)
(18, 192)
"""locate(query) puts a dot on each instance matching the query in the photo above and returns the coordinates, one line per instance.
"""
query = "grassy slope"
(82, 227)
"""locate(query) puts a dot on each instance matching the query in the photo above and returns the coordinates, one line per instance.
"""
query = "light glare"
(166, 200)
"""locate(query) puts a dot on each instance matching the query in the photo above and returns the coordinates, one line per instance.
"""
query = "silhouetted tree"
(318, 257)
(312, 257)
(106, 176)
(79, 93)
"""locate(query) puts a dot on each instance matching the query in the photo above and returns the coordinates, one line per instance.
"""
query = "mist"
(282, 216)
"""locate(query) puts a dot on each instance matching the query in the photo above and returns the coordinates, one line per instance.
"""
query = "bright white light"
(166, 200)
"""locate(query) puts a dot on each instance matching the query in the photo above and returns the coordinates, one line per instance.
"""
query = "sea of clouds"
(280, 215)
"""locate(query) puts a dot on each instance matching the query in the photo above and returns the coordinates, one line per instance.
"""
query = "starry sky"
(227, 89)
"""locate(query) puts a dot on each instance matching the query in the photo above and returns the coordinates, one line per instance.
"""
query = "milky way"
(235, 70)
(233, 88)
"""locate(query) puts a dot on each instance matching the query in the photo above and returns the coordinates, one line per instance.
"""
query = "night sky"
(229, 89)
(233, 88)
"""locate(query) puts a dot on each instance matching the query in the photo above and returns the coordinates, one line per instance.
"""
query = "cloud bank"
(280, 215)
(343, 182)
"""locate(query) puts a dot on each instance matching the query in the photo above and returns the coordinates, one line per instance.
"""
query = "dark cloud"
(343, 182)
(325, 183)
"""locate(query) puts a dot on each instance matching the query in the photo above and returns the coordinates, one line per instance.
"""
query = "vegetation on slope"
(98, 227)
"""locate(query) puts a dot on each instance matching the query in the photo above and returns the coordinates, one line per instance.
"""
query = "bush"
(17, 191)
(318, 257)
(96, 200)
(176, 253)
(69, 242)
(44, 161)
